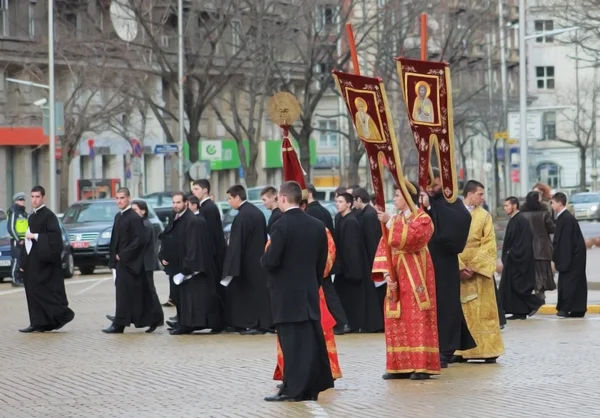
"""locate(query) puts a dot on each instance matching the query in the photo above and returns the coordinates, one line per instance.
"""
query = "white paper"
(332, 278)
(28, 242)
(225, 282)
(178, 278)
(114, 273)
(379, 284)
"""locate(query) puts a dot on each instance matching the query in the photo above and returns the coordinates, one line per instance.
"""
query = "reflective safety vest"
(21, 225)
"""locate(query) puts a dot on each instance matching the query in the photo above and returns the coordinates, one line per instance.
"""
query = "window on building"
(328, 135)
(549, 126)
(236, 36)
(31, 18)
(326, 16)
(549, 173)
(4, 18)
(35, 166)
(544, 26)
(544, 77)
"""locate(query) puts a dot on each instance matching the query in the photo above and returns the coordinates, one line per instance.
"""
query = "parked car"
(89, 226)
(586, 205)
(68, 265)
(162, 203)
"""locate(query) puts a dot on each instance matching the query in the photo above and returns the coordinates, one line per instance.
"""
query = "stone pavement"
(550, 370)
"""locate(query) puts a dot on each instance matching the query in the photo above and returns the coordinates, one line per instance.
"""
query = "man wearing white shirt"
(42, 270)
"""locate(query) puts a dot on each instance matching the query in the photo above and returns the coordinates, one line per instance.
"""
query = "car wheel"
(70, 266)
(85, 270)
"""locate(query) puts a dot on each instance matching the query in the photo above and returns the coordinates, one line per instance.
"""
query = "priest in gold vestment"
(477, 264)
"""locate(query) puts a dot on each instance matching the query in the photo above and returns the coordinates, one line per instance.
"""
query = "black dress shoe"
(457, 359)
(393, 376)
(111, 318)
(114, 329)
(282, 398)
(491, 360)
(279, 386)
(562, 314)
(576, 314)
(168, 304)
(311, 397)
(172, 324)
(516, 316)
(29, 329)
(251, 332)
(151, 329)
(181, 331)
(419, 376)
(174, 318)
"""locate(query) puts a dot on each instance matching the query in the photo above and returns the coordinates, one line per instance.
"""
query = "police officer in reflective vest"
(17, 228)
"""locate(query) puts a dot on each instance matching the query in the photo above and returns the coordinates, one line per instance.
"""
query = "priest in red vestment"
(411, 334)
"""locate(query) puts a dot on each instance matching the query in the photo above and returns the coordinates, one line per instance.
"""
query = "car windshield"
(4, 229)
(91, 212)
(585, 198)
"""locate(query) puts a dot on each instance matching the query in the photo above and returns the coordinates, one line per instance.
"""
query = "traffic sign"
(500, 135)
(199, 170)
(59, 118)
(136, 146)
(92, 149)
(58, 153)
(166, 149)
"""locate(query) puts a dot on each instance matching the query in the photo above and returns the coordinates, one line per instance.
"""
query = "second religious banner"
(428, 97)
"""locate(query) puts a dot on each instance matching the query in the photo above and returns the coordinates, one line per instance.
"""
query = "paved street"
(550, 369)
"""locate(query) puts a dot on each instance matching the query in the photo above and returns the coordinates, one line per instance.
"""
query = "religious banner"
(428, 97)
(367, 103)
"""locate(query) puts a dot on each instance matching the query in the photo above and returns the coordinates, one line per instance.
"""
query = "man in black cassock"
(570, 257)
(295, 262)
(42, 269)
(517, 284)
(451, 223)
(248, 303)
(352, 272)
(212, 216)
(269, 199)
(371, 234)
(187, 255)
(134, 302)
(316, 210)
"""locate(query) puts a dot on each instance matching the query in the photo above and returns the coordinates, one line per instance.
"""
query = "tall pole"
(52, 110)
(523, 100)
(180, 78)
(484, 176)
(504, 83)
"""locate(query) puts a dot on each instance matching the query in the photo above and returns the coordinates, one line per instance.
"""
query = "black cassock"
(187, 248)
(43, 275)
(451, 223)
(316, 210)
(134, 299)
(295, 261)
(353, 282)
(248, 305)
(371, 235)
(151, 264)
(211, 214)
(518, 274)
(570, 256)
(276, 214)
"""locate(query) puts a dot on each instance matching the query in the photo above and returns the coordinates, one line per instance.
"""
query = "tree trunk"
(64, 164)
(304, 144)
(496, 175)
(582, 171)
(250, 170)
(193, 140)
(356, 152)
(463, 160)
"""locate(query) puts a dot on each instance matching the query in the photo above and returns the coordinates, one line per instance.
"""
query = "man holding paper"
(42, 270)
(188, 257)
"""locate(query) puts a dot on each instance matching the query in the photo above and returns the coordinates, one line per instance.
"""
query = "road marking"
(82, 291)
(67, 283)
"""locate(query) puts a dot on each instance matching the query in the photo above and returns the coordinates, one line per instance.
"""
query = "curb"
(551, 309)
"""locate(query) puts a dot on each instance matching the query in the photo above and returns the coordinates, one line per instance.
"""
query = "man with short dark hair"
(518, 274)
(370, 228)
(193, 204)
(269, 199)
(209, 210)
(187, 255)
(570, 258)
(126, 259)
(248, 304)
(352, 271)
(477, 264)
(316, 210)
(295, 262)
(41, 264)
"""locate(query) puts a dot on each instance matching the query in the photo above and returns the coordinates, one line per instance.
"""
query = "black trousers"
(17, 275)
(334, 304)
(306, 369)
(173, 292)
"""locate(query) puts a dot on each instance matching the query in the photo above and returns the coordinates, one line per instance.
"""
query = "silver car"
(586, 205)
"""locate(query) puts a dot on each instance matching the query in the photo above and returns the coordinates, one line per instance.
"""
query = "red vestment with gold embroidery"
(411, 334)
(327, 322)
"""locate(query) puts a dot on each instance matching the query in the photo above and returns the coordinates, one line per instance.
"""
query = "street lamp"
(180, 87)
(51, 108)
(523, 91)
